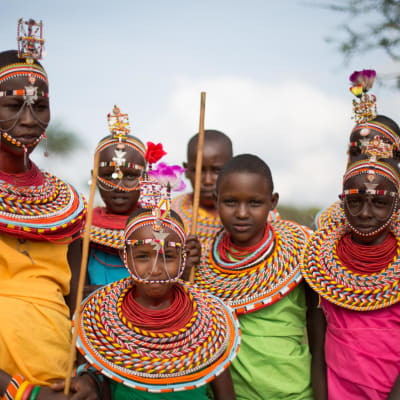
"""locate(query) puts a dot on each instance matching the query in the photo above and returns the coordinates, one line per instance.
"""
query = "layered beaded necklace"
(262, 276)
(51, 210)
(183, 350)
(324, 271)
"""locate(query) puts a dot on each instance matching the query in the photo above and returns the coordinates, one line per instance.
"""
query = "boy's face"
(215, 155)
(244, 201)
(24, 127)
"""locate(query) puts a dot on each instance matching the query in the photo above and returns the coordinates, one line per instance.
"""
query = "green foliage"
(302, 215)
(60, 140)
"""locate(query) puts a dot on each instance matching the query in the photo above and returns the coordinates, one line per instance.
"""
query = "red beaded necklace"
(31, 177)
(172, 318)
(364, 259)
(229, 251)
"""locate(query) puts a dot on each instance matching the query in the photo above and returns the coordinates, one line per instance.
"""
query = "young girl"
(154, 336)
(253, 266)
(372, 136)
(353, 266)
(40, 215)
(121, 165)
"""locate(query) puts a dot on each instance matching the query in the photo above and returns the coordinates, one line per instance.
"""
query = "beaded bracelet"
(12, 388)
(27, 392)
(34, 393)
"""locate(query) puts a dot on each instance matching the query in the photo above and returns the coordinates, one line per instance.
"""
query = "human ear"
(185, 165)
(274, 200)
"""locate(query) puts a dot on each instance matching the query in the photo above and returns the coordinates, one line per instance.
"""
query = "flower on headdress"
(154, 152)
(169, 175)
(357, 90)
(366, 78)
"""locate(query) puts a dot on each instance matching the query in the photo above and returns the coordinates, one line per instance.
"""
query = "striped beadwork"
(107, 237)
(331, 215)
(269, 276)
(324, 272)
(157, 362)
(48, 210)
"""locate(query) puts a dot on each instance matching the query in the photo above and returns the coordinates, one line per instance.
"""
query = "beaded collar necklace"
(53, 210)
(261, 279)
(157, 361)
(324, 272)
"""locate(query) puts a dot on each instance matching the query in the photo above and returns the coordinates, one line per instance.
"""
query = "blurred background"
(275, 72)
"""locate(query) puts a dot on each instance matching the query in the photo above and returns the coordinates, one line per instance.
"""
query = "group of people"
(275, 311)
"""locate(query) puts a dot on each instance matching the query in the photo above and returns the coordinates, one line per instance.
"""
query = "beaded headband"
(371, 170)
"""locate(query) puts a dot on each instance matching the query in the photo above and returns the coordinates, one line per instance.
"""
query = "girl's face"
(23, 122)
(117, 200)
(152, 262)
(369, 215)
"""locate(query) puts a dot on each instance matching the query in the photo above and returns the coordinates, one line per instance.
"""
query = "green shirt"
(273, 362)
(121, 392)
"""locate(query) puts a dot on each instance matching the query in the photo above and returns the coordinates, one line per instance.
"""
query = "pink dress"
(362, 351)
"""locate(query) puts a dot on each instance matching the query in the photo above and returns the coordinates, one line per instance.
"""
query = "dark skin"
(244, 201)
(144, 261)
(369, 220)
(27, 129)
(215, 155)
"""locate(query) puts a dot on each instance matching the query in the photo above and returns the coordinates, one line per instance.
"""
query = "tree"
(60, 140)
(373, 25)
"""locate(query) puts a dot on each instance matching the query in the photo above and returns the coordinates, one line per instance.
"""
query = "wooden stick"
(197, 180)
(82, 275)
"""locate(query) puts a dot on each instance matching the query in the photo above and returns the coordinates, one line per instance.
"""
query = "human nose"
(366, 210)
(207, 178)
(241, 210)
(159, 266)
(26, 117)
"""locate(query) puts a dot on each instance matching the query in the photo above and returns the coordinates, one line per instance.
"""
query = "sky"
(272, 82)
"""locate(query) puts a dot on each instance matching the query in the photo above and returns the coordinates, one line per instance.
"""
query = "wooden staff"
(197, 180)
(82, 275)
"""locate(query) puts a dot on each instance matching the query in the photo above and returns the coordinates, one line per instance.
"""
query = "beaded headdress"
(120, 140)
(364, 113)
(155, 197)
(30, 48)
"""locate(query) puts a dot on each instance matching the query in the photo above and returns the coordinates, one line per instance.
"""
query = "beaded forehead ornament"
(30, 48)
(120, 140)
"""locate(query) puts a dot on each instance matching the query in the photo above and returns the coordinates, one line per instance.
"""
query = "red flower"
(154, 152)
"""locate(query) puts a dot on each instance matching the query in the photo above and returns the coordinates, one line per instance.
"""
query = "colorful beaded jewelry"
(35, 393)
(30, 40)
(113, 238)
(53, 210)
(157, 361)
(324, 272)
(264, 277)
(372, 192)
(123, 164)
(366, 127)
(12, 388)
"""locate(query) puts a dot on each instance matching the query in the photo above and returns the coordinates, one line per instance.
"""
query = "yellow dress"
(35, 329)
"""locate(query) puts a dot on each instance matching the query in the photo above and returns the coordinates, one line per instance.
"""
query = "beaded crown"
(30, 40)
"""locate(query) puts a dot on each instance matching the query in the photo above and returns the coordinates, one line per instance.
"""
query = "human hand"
(82, 388)
(193, 253)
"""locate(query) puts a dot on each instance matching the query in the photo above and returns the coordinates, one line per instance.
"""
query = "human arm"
(222, 386)
(193, 249)
(82, 387)
(395, 392)
(74, 261)
(317, 332)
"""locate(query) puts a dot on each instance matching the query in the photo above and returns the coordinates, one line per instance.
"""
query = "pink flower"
(366, 78)
(169, 174)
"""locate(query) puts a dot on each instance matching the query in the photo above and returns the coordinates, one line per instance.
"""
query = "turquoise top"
(273, 362)
(119, 391)
(105, 268)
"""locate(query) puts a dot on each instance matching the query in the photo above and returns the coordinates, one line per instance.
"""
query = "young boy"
(216, 152)
(253, 265)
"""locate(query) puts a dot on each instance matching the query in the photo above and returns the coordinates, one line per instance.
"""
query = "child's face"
(244, 201)
(118, 201)
(147, 262)
(26, 128)
(215, 155)
(366, 213)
